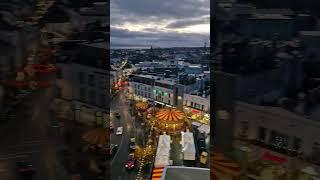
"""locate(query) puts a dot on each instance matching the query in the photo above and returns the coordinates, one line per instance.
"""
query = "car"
(132, 144)
(119, 131)
(114, 148)
(201, 144)
(25, 168)
(130, 163)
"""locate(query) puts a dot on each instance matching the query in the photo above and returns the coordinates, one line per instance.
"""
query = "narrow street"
(118, 104)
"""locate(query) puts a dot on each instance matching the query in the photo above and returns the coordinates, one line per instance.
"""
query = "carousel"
(170, 120)
(223, 168)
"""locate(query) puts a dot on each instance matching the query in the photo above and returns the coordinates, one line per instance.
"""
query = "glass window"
(103, 100)
(279, 140)
(92, 97)
(262, 133)
(297, 143)
(81, 77)
(59, 74)
(91, 80)
(83, 94)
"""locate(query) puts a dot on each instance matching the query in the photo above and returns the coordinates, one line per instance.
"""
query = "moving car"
(130, 163)
(132, 144)
(25, 168)
(114, 148)
(119, 131)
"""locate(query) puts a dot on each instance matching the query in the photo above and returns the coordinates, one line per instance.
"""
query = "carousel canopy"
(142, 105)
(170, 115)
(98, 136)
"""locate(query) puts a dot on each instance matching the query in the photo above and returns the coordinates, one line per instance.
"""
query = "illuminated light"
(179, 97)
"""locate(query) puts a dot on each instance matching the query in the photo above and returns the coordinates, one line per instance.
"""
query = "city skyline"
(159, 24)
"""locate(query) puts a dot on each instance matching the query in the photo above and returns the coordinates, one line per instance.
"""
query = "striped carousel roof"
(170, 115)
(222, 166)
(142, 105)
(98, 136)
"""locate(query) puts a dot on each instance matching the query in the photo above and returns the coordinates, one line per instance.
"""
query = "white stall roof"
(163, 151)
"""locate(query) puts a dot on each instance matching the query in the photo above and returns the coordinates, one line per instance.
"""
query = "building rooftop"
(185, 173)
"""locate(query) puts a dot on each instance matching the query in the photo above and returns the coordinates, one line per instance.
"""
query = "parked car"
(201, 144)
(119, 131)
(132, 144)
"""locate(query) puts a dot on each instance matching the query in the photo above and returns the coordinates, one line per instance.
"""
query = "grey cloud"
(182, 13)
(188, 22)
(120, 37)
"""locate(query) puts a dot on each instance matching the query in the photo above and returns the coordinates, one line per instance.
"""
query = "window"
(91, 80)
(262, 134)
(92, 97)
(168, 101)
(81, 77)
(102, 84)
(145, 88)
(169, 95)
(297, 143)
(202, 107)
(279, 140)
(82, 94)
(244, 128)
(59, 74)
(103, 100)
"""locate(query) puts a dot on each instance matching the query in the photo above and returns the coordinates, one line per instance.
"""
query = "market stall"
(163, 151)
(188, 147)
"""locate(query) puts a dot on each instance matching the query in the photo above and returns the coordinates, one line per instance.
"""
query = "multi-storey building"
(83, 82)
(156, 89)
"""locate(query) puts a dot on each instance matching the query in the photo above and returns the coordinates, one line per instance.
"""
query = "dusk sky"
(160, 23)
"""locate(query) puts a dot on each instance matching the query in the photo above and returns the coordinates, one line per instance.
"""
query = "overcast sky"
(161, 23)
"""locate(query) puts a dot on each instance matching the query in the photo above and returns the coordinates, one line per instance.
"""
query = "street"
(125, 120)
